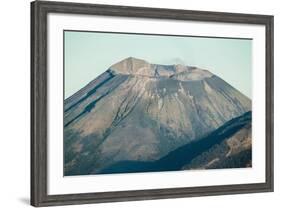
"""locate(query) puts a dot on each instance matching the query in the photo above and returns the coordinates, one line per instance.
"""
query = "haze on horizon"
(89, 54)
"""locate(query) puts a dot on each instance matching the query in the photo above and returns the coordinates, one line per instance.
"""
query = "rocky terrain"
(229, 146)
(140, 112)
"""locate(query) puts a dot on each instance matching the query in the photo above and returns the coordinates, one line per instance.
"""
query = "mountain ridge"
(139, 67)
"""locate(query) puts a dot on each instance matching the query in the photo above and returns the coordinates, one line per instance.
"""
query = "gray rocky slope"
(137, 111)
(229, 146)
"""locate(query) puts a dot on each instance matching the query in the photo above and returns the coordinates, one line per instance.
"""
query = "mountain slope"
(139, 111)
(227, 147)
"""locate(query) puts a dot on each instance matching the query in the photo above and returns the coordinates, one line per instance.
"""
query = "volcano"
(142, 112)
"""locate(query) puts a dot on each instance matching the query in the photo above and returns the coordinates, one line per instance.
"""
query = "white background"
(14, 105)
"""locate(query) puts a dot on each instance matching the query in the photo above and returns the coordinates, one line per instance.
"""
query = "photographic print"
(146, 102)
(138, 103)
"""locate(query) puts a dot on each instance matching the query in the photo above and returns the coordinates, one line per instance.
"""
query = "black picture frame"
(39, 98)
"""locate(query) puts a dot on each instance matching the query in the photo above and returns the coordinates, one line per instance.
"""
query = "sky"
(89, 54)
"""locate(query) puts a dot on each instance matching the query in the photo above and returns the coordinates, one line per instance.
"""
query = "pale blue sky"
(88, 54)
